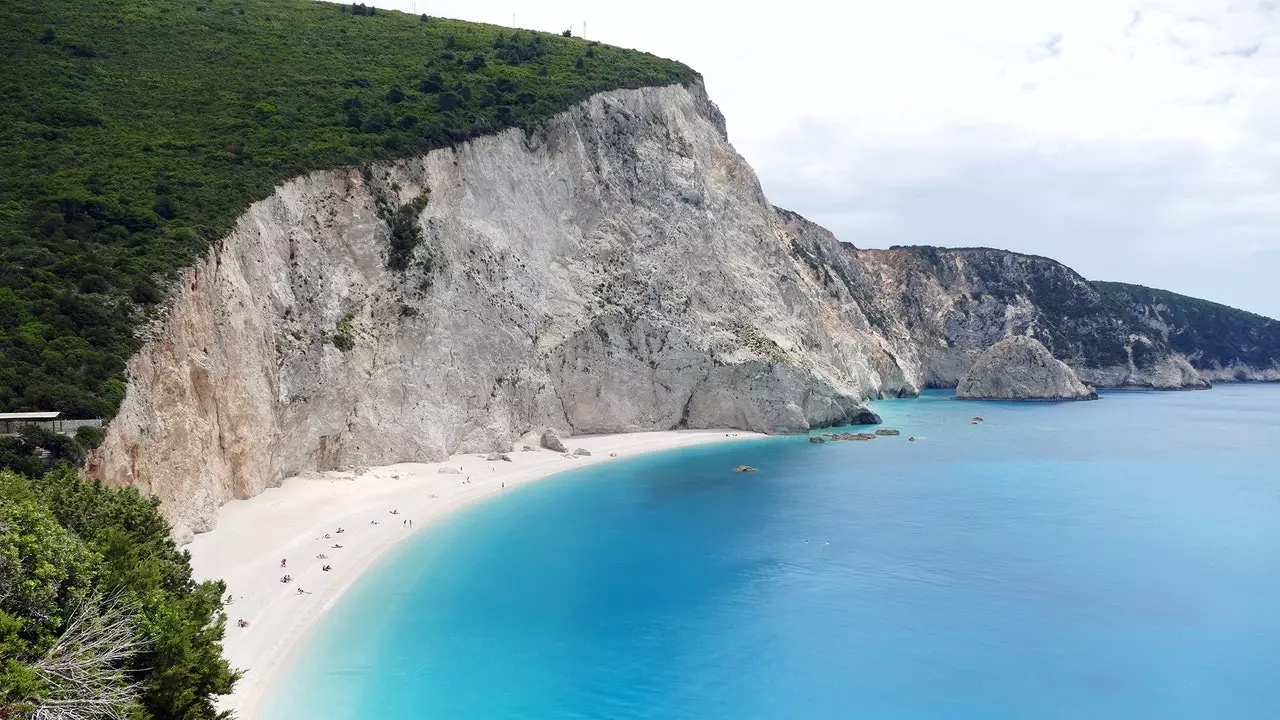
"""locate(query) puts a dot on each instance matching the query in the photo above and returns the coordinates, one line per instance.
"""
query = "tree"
(180, 666)
(89, 437)
(567, 33)
(579, 64)
(84, 670)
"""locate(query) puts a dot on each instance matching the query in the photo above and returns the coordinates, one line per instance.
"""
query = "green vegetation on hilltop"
(1208, 333)
(99, 614)
(136, 131)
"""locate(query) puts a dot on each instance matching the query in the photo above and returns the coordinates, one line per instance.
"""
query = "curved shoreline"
(290, 522)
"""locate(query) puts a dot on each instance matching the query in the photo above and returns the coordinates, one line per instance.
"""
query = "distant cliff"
(939, 308)
(1222, 343)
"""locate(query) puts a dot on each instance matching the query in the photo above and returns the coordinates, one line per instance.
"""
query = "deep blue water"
(1112, 559)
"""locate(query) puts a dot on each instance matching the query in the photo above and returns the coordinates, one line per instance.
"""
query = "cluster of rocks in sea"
(857, 437)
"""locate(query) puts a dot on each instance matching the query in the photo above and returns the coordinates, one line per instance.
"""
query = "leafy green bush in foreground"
(98, 604)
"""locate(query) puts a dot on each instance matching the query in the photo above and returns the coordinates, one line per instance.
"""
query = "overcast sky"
(1133, 140)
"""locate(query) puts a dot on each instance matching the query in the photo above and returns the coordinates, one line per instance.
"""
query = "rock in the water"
(854, 436)
(582, 452)
(450, 471)
(551, 440)
(887, 431)
(911, 439)
(975, 421)
(494, 457)
(1021, 368)
(862, 416)
(816, 440)
(744, 468)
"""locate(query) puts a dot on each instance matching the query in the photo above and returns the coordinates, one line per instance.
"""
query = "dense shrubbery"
(135, 132)
(80, 561)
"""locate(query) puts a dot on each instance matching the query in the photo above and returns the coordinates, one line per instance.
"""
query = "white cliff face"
(1021, 368)
(618, 269)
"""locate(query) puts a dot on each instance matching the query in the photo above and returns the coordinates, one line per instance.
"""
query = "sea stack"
(1021, 368)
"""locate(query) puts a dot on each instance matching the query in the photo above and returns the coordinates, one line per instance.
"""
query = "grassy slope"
(135, 131)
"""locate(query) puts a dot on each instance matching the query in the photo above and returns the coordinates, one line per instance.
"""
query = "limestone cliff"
(1021, 368)
(616, 269)
(1223, 344)
(940, 308)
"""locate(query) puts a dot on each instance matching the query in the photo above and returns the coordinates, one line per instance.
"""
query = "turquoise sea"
(1117, 559)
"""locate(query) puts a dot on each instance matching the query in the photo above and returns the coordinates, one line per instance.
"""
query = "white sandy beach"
(290, 522)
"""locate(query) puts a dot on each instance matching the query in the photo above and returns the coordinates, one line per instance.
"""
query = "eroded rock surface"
(1021, 368)
(616, 269)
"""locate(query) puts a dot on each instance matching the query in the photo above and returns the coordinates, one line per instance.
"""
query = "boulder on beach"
(1021, 368)
(887, 431)
(496, 456)
(450, 471)
(551, 440)
(582, 452)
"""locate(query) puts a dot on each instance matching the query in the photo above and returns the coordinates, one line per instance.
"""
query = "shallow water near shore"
(1109, 559)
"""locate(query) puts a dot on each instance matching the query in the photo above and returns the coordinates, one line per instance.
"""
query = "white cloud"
(1131, 139)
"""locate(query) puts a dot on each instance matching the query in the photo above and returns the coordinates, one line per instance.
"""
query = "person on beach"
(302, 592)
(284, 562)
(230, 599)
(340, 529)
(241, 623)
(326, 568)
(336, 545)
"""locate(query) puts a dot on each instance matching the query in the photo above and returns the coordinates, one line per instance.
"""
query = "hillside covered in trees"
(1210, 334)
(136, 131)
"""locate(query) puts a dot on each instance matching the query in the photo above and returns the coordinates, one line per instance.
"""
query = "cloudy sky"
(1134, 140)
